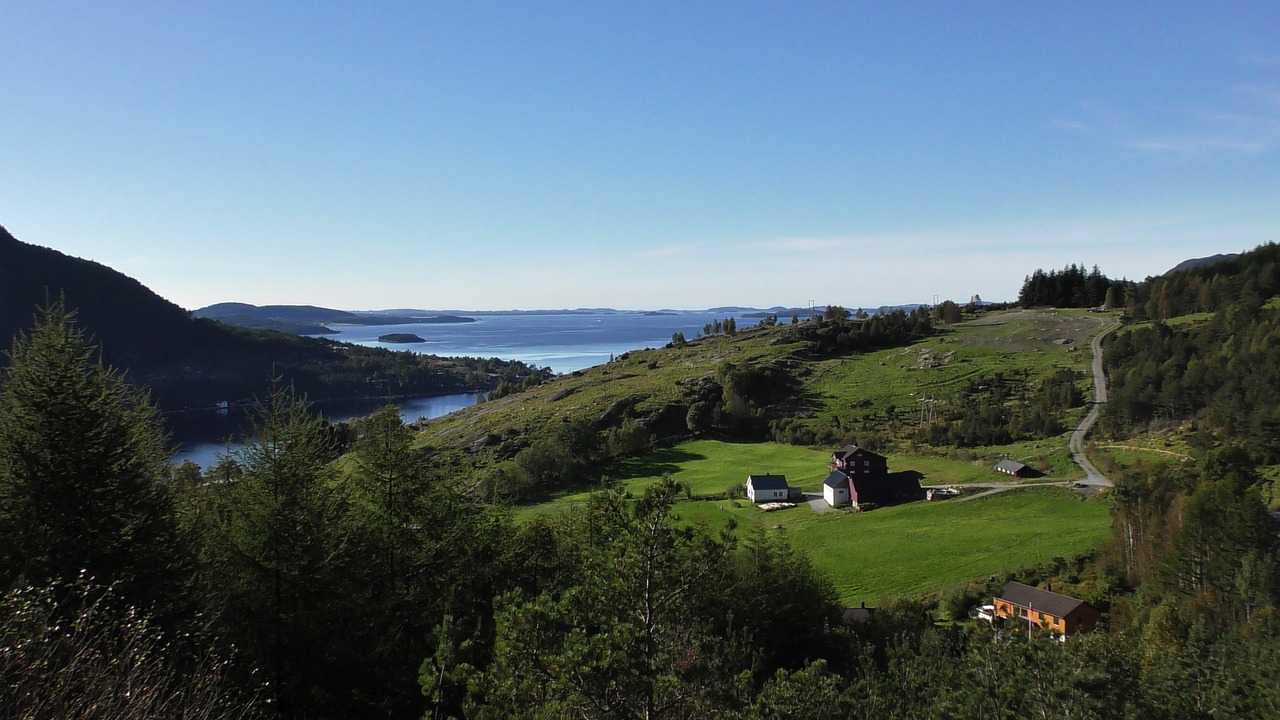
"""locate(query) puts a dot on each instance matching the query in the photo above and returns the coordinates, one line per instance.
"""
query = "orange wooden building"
(1059, 614)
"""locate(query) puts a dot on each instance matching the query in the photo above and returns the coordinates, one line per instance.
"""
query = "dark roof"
(858, 614)
(852, 450)
(768, 482)
(836, 479)
(1010, 466)
(1025, 596)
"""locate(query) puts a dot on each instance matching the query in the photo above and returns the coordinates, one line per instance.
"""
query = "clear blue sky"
(483, 155)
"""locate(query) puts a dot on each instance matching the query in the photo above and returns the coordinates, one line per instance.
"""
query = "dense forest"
(292, 580)
(189, 362)
(1220, 370)
(1071, 287)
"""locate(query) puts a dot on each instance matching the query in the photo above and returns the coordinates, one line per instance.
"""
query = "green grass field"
(711, 466)
(891, 552)
(911, 550)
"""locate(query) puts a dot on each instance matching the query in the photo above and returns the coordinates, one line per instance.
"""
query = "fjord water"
(564, 342)
(205, 436)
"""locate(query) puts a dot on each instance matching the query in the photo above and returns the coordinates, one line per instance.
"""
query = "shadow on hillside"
(654, 464)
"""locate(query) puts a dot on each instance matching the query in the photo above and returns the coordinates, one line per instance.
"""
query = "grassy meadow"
(918, 548)
(890, 552)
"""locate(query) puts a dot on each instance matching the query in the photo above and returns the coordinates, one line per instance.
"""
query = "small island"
(400, 338)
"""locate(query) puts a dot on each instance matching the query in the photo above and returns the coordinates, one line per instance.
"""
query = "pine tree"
(275, 560)
(83, 468)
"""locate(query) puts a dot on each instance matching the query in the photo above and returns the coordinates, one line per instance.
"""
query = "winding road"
(1091, 474)
(1093, 479)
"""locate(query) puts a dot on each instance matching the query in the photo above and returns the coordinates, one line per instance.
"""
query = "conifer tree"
(274, 555)
(83, 468)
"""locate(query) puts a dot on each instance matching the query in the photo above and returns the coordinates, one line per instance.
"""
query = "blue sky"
(481, 155)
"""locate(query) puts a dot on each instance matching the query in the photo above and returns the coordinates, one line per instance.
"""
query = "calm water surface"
(203, 437)
(564, 342)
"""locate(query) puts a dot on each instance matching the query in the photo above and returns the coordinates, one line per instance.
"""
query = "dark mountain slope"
(1195, 263)
(188, 362)
(133, 324)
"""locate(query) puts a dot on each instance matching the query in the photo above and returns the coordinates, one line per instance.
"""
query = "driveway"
(816, 503)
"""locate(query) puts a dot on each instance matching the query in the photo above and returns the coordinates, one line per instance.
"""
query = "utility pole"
(927, 410)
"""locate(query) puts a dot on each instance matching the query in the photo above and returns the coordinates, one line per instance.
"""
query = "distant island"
(312, 320)
(400, 338)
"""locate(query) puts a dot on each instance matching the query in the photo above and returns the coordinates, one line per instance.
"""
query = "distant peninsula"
(311, 320)
(400, 338)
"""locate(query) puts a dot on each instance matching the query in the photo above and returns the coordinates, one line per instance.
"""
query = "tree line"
(1071, 286)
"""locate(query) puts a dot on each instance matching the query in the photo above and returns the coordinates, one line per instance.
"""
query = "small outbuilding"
(767, 488)
(1015, 469)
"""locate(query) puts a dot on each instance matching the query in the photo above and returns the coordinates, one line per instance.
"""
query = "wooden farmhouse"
(767, 488)
(861, 477)
(859, 490)
(853, 460)
(1058, 614)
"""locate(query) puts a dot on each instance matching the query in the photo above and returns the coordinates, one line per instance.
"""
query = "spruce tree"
(83, 470)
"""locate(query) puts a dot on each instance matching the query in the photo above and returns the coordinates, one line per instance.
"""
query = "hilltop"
(188, 361)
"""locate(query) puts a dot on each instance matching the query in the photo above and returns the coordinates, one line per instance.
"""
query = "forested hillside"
(294, 581)
(1218, 369)
(191, 362)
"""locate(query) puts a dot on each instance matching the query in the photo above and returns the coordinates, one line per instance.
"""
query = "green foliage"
(1070, 287)
(728, 326)
(949, 312)
(1000, 409)
(275, 554)
(654, 620)
(836, 333)
(83, 470)
(1248, 279)
(628, 439)
(1224, 373)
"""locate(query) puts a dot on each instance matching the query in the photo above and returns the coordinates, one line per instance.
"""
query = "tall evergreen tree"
(83, 468)
(275, 558)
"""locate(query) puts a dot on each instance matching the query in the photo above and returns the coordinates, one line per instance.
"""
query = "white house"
(767, 488)
(836, 489)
